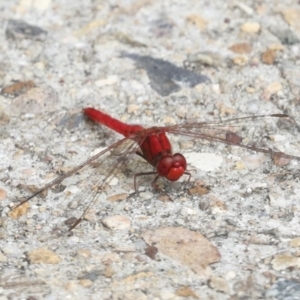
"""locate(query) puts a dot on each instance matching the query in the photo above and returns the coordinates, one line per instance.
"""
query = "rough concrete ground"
(234, 234)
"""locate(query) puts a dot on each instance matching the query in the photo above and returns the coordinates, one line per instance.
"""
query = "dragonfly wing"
(252, 133)
(84, 188)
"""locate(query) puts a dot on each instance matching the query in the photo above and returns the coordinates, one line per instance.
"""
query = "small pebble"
(284, 261)
(268, 57)
(197, 20)
(240, 60)
(241, 48)
(86, 282)
(245, 8)
(250, 27)
(117, 222)
(43, 256)
(186, 291)
(117, 197)
(3, 258)
(19, 211)
(219, 284)
(295, 242)
(3, 194)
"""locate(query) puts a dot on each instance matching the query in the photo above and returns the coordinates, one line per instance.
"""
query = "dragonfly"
(154, 146)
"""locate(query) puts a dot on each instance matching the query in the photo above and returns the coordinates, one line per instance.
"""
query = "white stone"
(204, 161)
(117, 222)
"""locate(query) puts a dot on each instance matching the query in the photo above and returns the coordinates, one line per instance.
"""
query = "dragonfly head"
(171, 166)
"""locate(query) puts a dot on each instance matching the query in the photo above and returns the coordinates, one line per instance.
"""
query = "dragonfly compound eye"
(171, 166)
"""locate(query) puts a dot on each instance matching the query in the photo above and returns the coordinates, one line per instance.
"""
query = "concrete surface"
(235, 233)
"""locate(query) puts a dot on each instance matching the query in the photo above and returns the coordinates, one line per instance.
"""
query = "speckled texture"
(249, 208)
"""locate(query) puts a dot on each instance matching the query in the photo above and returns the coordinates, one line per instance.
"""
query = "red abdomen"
(114, 124)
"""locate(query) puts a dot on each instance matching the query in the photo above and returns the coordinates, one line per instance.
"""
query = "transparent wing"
(71, 207)
(252, 133)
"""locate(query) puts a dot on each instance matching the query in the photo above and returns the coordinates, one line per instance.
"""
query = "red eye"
(171, 166)
(180, 159)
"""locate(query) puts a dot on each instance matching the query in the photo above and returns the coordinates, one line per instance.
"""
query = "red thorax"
(155, 146)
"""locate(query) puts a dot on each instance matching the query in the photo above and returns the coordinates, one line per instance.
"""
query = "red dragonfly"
(153, 145)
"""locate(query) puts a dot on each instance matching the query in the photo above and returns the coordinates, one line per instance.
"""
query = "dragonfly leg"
(154, 185)
(189, 177)
(186, 183)
(76, 222)
(138, 175)
(157, 188)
